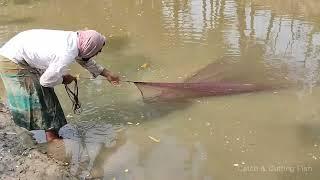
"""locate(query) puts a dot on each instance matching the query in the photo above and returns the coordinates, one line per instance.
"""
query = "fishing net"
(224, 77)
(216, 79)
(174, 91)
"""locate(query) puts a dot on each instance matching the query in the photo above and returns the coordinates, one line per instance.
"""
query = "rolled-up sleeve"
(91, 65)
(53, 75)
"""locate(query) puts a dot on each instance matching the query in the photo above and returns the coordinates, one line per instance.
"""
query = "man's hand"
(67, 79)
(112, 78)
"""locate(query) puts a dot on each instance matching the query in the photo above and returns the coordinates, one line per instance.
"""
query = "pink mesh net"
(216, 79)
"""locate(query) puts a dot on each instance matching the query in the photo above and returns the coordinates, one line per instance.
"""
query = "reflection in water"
(204, 138)
(104, 151)
(83, 144)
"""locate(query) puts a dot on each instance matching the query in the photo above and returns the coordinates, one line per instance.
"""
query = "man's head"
(90, 43)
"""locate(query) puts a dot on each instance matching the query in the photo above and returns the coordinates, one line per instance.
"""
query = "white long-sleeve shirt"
(51, 51)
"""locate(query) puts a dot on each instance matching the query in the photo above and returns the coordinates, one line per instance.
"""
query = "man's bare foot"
(51, 135)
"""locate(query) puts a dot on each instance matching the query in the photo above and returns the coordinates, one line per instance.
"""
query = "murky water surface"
(268, 135)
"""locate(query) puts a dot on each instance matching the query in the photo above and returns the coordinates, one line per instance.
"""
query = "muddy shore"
(21, 158)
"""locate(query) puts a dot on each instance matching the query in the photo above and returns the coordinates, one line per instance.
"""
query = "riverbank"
(21, 159)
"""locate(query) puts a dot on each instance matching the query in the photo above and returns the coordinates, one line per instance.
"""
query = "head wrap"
(90, 42)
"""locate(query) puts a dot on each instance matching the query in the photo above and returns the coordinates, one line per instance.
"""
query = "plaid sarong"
(32, 106)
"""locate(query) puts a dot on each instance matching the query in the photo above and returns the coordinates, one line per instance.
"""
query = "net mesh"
(216, 79)
(174, 91)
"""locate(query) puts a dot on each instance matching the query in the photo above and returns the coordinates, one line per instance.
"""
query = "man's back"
(40, 47)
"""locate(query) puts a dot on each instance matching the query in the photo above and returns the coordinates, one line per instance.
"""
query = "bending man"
(34, 61)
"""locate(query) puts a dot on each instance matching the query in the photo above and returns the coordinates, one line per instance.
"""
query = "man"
(34, 61)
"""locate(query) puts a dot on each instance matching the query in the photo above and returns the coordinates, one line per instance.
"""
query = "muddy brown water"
(267, 135)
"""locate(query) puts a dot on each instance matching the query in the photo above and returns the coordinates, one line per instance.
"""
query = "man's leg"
(53, 117)
(32, 106)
